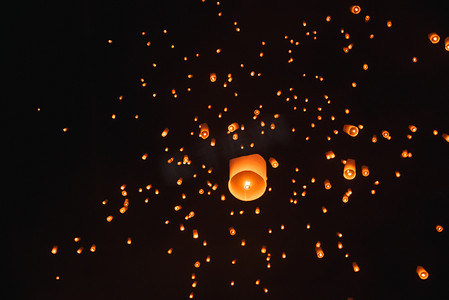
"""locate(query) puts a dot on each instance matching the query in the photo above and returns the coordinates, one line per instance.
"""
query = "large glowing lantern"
(349, 169)
(351, 130)
(247, 177)
(422, 273)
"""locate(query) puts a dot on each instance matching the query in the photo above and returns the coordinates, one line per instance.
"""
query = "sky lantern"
(422, 273)
(349, 169)
(213, 77)
(365, 171)
(165, 132)
(351, 130)
(355, 9)
(204, 131)
(330, 155)
(247, 177)
(233, 127)
(446, 43)
(355, 267)
(434, 38)
(327, 184)
(319, 252)
(274, 163)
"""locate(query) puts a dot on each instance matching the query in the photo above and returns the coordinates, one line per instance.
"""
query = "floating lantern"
(365, 171)
(355, 267)
(327, 184)
(422, 273)
(247, 177)
(319, 252)
(412, 128)
(213, 77)
(204, 131)
(351, 130)
(349, 169)
(233, 127)
(434, 38)
(446, 43)
(330, 155)
(274, 163)
(165, 132)
(355, 9)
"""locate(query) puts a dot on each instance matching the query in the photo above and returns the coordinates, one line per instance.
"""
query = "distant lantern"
(351, 130)
(434, 38)
(446, 43)
(327, 184)
(213, 77)
(412, 128)
(247, 177)
(330, 155)
(355, 267)
(422, 273)
(233, 127)
(204, 131)
(365, 171)
(274, 163)
(355, 9)
(319, 252)
(165, 132)
(349, 169)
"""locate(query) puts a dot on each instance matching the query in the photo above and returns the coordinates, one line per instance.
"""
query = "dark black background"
(68, 70)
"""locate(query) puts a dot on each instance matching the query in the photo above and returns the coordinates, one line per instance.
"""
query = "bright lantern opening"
(247, 177)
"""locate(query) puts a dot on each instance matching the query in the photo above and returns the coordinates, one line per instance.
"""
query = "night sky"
(101, 81)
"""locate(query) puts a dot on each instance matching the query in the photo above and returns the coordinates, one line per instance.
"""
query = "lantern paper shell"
(330, 155)
(434, 38)
(274, 163)
(319, 252)
(247, 177)
(233, 127)
(422, 273)
(355, 9)
(365, 171)
(204, 131)
(165, 132)
(349, 169)
(351, 130)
